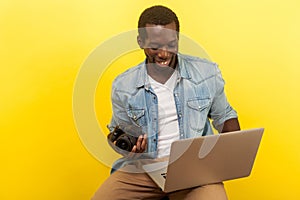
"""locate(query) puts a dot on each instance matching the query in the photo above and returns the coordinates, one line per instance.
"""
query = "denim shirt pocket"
(197, 113)
(137, 116)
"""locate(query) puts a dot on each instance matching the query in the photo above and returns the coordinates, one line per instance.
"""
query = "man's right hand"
(141, 144)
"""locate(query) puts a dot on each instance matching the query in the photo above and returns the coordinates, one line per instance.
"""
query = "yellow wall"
(44, 43)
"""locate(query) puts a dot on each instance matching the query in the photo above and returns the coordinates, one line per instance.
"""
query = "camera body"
(123, 140)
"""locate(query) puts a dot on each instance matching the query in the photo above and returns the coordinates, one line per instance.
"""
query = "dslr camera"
(123, 140)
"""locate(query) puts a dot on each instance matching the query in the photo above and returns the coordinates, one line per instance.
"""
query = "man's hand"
(137, 149)
(141, 144)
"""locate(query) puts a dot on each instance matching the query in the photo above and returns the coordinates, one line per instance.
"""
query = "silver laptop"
(205, 160)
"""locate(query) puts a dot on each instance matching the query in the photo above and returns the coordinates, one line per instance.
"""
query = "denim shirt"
(199, 97)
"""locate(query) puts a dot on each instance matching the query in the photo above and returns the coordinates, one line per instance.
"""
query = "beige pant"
(131, 186)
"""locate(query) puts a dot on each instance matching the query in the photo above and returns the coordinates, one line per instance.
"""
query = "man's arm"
(223, 115)
(230, 125)
(120, 117)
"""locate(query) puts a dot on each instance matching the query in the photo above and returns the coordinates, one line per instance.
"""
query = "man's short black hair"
(157, 15)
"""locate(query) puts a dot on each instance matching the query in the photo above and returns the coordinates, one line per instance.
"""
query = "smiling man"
(167, 97)
(158, 36)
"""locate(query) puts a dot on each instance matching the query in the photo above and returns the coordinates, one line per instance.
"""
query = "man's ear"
(140, 42)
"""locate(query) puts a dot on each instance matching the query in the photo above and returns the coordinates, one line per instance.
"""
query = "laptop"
(205, 160)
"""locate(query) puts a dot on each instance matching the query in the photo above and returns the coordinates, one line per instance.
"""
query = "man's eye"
(172, 46)
(154, 48)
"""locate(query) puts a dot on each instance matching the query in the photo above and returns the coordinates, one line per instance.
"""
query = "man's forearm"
(230, 125)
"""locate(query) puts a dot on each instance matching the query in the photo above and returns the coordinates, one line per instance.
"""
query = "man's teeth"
(163, 63)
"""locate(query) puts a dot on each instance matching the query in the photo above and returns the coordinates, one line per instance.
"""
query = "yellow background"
(44, 43)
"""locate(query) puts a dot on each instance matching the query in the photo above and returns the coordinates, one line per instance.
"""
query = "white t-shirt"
(168, 128)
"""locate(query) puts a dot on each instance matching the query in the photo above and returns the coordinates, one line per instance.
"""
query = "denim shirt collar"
(143, 76)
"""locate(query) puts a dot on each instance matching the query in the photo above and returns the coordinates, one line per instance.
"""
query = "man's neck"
(160, 74)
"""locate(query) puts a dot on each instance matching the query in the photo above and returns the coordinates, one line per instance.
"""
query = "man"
(169, 96)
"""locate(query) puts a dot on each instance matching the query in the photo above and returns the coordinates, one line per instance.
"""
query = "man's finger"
(144, 143)
(139, 142)
(133, 151)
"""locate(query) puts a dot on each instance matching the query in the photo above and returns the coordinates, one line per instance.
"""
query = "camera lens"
(123, 140)
(124, 143)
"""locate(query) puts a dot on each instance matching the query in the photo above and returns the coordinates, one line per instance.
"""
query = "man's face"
(160, 44)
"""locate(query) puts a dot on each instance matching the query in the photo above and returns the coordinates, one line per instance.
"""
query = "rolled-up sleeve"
(119, 116)
(220, 110)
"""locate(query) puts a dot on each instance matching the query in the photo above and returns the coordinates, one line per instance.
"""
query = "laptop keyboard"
(164, 175)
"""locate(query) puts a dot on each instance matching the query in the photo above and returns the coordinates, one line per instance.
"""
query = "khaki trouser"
(127, 185)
